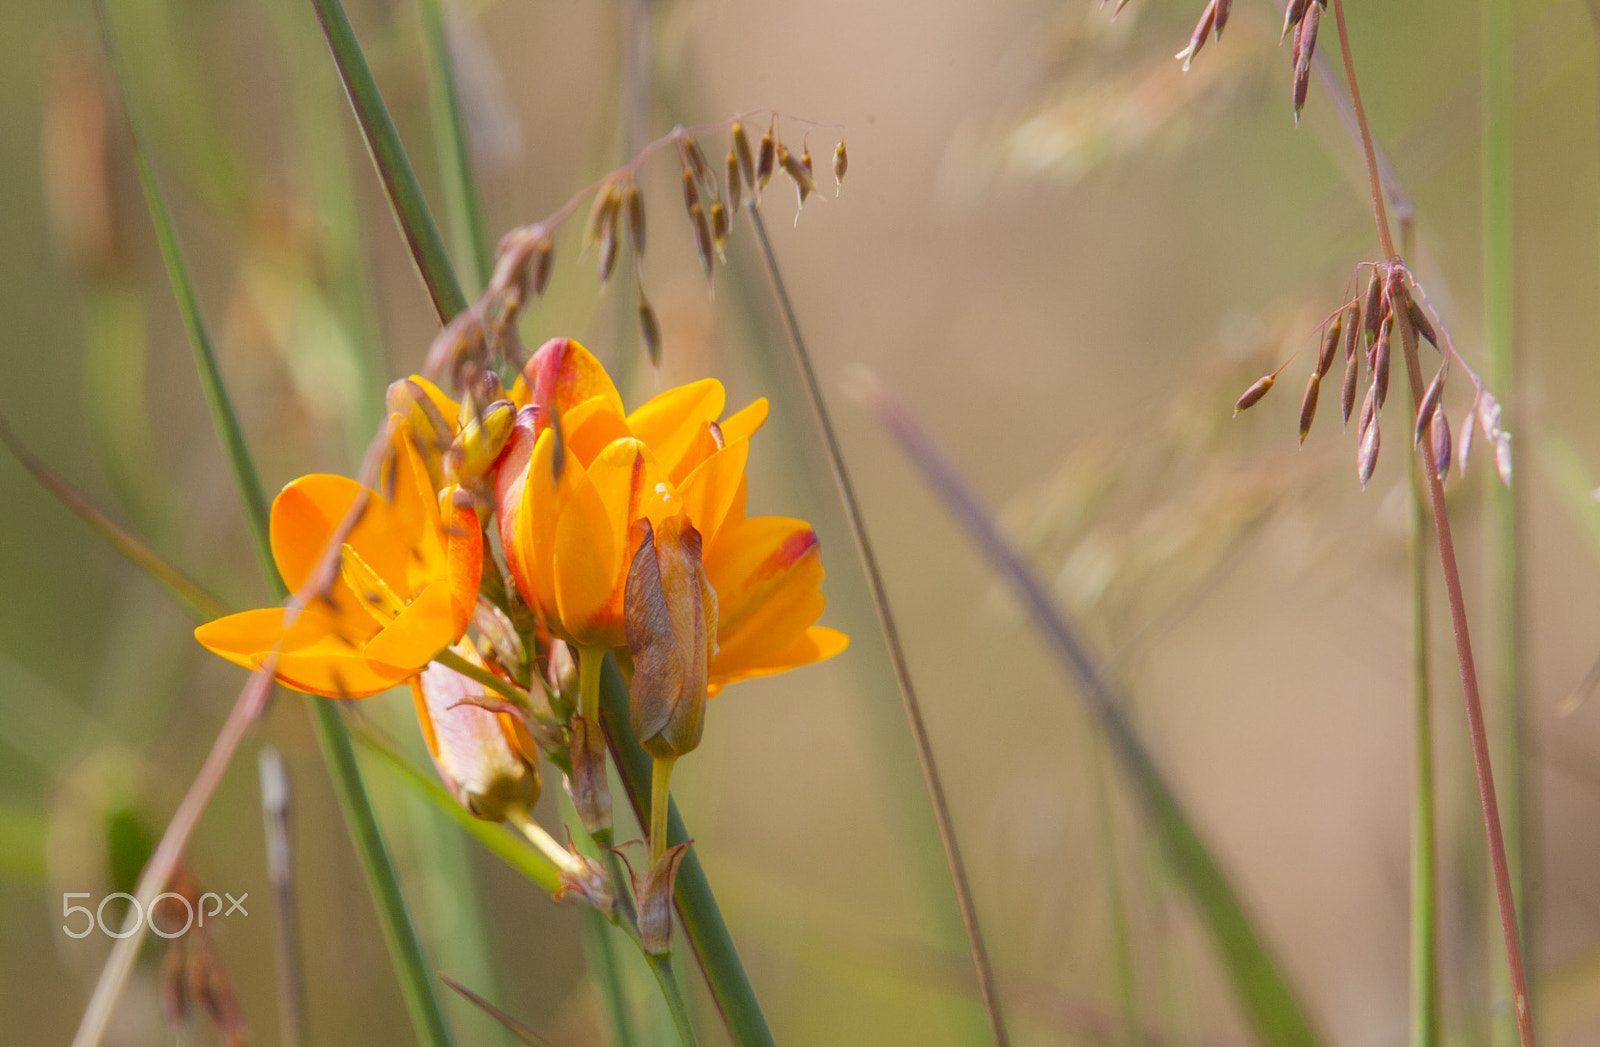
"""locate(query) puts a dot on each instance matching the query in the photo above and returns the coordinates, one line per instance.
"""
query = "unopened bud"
(591, 796)
(487, 760)
(655, 901)
(670, 611)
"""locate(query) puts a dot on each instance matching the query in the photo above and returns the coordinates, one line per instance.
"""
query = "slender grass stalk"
(463, 207)
(1425, 1030)
(1425, 1016)
(389, 157)
(697, 907)
(516, 1028)
(1504, 574)
(1504, 894)
(602, 957)
(404, 949)
(275, 811)
(1116, 898)
(1262, 990)
(987, 990)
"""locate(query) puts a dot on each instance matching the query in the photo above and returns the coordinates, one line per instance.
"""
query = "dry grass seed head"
(1308, 405)
(1347, 393)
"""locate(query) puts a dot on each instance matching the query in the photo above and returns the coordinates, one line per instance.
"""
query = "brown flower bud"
(1440, 430)
(1308, 405)
(1197, 39)
(691, 191)
(1347, 393)
(635, 208)
(697, 161)
(655, 901)
(1429, 404)
(1252, 395)
(1367, 455)
(649, 331)
(797, 172)
(1330, 345)
(1305, 48)
(1372, 305)
(1352, 329)
(487, 760)
(544, 252)
(1420, 321)
(702, 239)
(735, 184)
(841, 164)
(1292, 16)
(741, 149)
(719, 228)
(1380, 361)
(591, 797)
(1224, 8)
(670, 611)
(764, 161)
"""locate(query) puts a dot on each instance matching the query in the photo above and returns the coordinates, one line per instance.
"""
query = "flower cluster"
(622, 532)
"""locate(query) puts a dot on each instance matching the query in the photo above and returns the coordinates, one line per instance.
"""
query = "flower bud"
(655, 901)
(590, 794)
(488, 762)
(670, 611)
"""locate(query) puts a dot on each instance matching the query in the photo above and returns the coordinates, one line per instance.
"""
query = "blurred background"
(1069, 258)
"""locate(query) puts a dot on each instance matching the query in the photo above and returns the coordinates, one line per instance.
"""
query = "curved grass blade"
(200, 604)
(1261, 988)
(697, 906)
(399, 935)
(462, 203)
(516, 1028)
(389, 157)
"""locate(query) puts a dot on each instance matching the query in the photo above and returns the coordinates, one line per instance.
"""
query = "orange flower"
(567, 535)
(407, 584)
(488, 761)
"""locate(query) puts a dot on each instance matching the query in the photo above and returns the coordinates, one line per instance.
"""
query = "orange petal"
(314, 657)
(590, 548)
(669, 423)
(463, 573)
(816, 644)
(563, 374)
(709, 493)
(767, 572)
(742, 425)
(543, 502)
(510, 477)
(590, 426)
(419, 632)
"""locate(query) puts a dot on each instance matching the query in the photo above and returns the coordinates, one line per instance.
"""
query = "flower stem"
(1452, 582)
(1424, 889)
(504, 688)
(546, 844)
(660, 796)
(591, 660)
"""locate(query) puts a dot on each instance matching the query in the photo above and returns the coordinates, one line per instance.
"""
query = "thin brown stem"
(891, 638)
(1452, 582)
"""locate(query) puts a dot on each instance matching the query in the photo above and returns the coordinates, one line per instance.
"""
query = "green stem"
(1121, 932)
(504, 688)
(1503, 576)
(462, 204)
(597, 947)
(660, 796)
(591, 662)
(388, 156)
(661, 967)
(1424, 882)
(702, 921)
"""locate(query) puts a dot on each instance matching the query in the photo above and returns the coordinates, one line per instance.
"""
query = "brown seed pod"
(797, 172)
(1224, 7)
(691, 191)
(1308, 405)
(697, 160)
(635, 208)
(1380, 362)
(1253, 395)
(1420, 321)
(1305, 48)
(603, 199)
(841, 164)
(764, 161)
(702, 238)
(1347, 394)
(1369, 409)
(719, 228)
(1367, 455)
(1292, 16)
(1440, 431)
(610, 237)
(735, 184)
(544, 255)
(1197, 39)
(1330, 345)
(1429, 404)
(741, 149)
(1352, 329)
(650, 331)
(1372, 306)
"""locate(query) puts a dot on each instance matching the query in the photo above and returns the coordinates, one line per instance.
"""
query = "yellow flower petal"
(815, 645)
(669, 423)
(709, 493)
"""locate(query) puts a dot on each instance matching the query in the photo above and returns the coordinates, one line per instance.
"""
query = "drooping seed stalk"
(1504, 895)
(1504, 576)
(987, 989)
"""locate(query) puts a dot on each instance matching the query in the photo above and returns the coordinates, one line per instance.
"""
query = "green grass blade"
(200, 604)
(389, 157)
(697, 906)
(1504, 574)
(463, 206)
(1425, 1017)
(1263, 991)
(399, 935)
